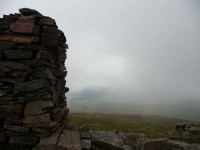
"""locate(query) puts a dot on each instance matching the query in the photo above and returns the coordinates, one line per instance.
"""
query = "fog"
(136, 50)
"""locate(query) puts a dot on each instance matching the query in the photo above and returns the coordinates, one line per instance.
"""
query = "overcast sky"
(135, 49)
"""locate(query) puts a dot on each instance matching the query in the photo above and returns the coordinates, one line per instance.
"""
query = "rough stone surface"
(38, 107)
(22, 27)
(19, 38)
(31, 86)
(49, 143)
(86, 144)
(8, 66)
(4, 45)
(16, 128)
(23, 140)
(49, 39)
(37, 119)
(43, 72)
(19, 54)
(69, 140)
(28, 11)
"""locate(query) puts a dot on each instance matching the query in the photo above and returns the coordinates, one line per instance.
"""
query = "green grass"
(152, 126)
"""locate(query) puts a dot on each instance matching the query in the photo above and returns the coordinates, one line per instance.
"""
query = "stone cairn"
(33, 109)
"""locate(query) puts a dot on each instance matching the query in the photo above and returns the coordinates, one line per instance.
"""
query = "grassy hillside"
(152, 126)
(184, 110)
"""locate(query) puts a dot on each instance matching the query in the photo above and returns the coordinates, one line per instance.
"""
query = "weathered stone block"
(4, 45)
(23, 140)
(51, 30)
(31, 85)
(49, 143)
(43, 72)
(11, 121)
(86, 144)
(38, 63)
(49, 39)
(19, 38)
(8, 66)
(45, 130)
(19, 54)
(19, 73)
(50, 124)
(47, 22)
(15, 108)
(22, 27)
(31, 47)
(16, 128)
(38, 107)
(37, 118)
(44, 54)
(28, 11)
(13, 79)
(61, 84)
(69, 140)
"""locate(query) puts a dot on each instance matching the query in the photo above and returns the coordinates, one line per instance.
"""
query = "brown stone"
(58, 116)
(49, 143)
(61, 49)
(8, 102)
(16, 128)
(61, 84)
(44, 54)
(38, 63)
(4, 45)
(11, 121)
(45, 130)
(28, 11)
(36, 93)
(49, 39)
(69, 140)
(19, 38)
(36, 108)
(52, 88)
(31, 85)
(37, 118)
(61, 67)
(21, 27)
(13, 79)
(86, 144)
(19, 54)
(23, 140)
(31, 47)
(55, 96)
(34, 98)
(43, 72)
(13, 66)
(15, 133)
(23, 20)
(47, 22)
(51, 30)
(15, 108)
(9, 115)
(50, 124)
(37, 134)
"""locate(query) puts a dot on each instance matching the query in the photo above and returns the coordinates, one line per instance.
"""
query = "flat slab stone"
(37, 118)
(4, 45)
(31, 85)
(22, 27)
(28, 11)
(11, 121)
(15, 108)
(13, 66)
(47, 22)
(44, 54)
(13, 79)
(49, 143)
(19, 38)
(50, 124)
(38, 63)
(86, 144)
(43, 72)
(18, 73)
(31, 47)
(16, 128)
(36, 108)
(49, 39)
(19, 54)
(69, 140)
(23, 140)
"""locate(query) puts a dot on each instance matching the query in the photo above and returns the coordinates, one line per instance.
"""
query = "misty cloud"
(135, 49)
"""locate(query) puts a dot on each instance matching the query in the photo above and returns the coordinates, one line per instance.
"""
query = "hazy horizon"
(133, 50)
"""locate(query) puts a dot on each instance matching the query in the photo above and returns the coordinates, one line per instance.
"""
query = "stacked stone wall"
(33, 106)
